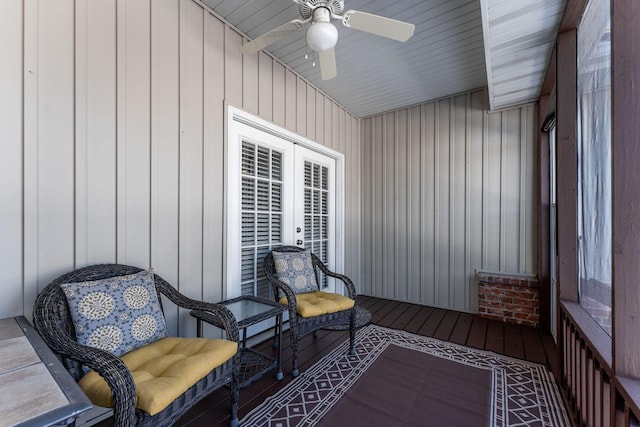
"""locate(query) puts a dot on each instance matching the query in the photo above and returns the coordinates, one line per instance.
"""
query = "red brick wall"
(513, 299)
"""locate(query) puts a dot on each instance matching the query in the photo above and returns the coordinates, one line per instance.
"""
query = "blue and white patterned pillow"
(117, 314)
(296, 270)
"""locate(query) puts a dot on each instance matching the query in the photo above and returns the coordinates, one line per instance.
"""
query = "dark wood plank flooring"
(462, 328)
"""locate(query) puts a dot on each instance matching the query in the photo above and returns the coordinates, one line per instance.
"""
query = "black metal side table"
(249, 310)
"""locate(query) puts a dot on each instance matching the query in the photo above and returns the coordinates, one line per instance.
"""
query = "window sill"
(630, 390)
(597, 339)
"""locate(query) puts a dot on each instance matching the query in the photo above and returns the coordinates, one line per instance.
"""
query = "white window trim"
(233, 144)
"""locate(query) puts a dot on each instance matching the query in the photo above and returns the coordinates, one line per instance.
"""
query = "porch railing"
(595, 396)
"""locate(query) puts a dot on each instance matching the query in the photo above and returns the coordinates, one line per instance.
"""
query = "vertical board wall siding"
(114, 141)
(447, 190)
(49, 133)
(165, 145)
(191, 154)
(11, 214)
(133, 35)
(213, 185)
(95, 144)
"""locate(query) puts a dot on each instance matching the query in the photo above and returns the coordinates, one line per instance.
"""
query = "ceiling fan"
(322, 35)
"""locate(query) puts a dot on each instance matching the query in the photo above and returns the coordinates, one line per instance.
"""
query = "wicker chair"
(53, 322)
(300, 326)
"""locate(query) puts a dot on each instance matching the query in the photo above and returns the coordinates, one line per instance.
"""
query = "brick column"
(509, 298)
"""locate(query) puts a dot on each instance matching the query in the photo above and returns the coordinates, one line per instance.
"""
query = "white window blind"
(261, 213)
(316, 212)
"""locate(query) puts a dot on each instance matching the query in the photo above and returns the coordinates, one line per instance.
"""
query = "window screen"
(594, 162)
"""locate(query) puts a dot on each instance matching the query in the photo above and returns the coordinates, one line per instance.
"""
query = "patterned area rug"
(521, 393)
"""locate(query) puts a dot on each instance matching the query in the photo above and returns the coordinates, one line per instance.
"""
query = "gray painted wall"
(113, 137)
(447, 189)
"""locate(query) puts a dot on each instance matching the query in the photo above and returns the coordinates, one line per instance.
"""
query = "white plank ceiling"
(445, 56)
(519, 37)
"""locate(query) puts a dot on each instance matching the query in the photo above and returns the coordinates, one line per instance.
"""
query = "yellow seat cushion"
(316, 303)
(163, 370)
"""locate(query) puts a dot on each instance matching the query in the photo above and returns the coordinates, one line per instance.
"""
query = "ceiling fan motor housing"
(307, 7)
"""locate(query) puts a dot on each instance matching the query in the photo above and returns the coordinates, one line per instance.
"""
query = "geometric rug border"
(524, 393)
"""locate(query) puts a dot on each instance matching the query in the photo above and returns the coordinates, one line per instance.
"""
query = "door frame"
(232, 147)
(553, 230)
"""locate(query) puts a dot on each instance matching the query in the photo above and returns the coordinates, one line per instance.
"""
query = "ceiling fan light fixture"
(322, 36)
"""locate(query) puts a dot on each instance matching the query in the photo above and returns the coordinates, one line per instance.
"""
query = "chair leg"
(294, 350)
(275, 335)
(235, 395)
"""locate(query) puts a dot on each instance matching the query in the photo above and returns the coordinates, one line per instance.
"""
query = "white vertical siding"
(213, 185)
(301, 106)
(165, 131)
(265, 86)
(49, 232)
(121, 155)
(353, 194)
(191, 153)
(291, 98)
(476, 209)
(133, 65)
(250, 82)
(447, 189)
(414, 185)
(11, 71)
(311, 112)
(278, 71)
(95, 138)
(428, 170)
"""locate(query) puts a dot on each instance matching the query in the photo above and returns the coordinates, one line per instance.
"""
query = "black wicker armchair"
(53, 321)
(300, 326)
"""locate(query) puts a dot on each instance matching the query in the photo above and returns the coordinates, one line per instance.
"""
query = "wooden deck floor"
(461, 328)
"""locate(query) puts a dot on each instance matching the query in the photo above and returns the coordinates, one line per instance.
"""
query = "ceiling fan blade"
(379, 25)
(327, 64)
(272, 36)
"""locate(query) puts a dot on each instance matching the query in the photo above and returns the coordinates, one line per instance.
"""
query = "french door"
(279, 192)
(314, 207)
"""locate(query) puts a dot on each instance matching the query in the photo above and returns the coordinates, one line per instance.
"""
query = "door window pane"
(261, 214)
(316, 212)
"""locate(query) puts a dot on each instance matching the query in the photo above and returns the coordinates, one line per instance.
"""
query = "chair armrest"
(107, 365)
(118, 377)
(222, 313)
(211, 318)
(292, 302)
(348, 284)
